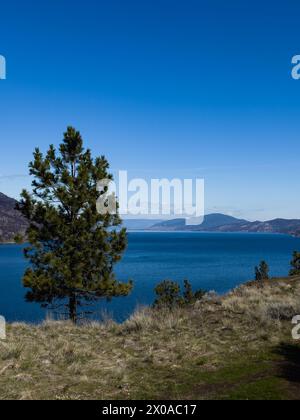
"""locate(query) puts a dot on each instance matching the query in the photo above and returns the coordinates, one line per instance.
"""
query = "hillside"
(139, 224)
(284, 226)
(223, 223)
(11, 221)
(234, 347)
(211, 222)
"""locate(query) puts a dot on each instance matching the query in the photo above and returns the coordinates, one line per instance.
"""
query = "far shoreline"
(213, 232)
(187, 231)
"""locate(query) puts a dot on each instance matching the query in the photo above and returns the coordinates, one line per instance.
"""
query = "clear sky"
(163, 88)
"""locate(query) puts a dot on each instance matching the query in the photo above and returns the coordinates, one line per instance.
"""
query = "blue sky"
(194, 88)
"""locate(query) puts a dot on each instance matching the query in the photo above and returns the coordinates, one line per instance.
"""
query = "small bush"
(169, 295)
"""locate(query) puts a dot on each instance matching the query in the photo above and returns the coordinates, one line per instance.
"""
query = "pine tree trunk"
(73, 309)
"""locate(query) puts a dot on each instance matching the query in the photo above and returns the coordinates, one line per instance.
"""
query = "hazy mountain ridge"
(211, 222)
(11, 221)
(223, 223)
(139, 224)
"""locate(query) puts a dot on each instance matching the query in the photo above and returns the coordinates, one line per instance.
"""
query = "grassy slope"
(237, 347)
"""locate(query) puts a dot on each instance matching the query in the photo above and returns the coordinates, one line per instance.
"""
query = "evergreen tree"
(262, 272)
(168, 295)
(295, 263)
(73, 248)
(188, 295)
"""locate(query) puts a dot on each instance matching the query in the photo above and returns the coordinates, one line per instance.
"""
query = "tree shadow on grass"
(290, 365)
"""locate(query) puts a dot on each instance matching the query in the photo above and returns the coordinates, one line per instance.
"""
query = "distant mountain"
(139, 224)
(284, 226)
(223, 223)
(211, 222)
(11, 221)
(170, 225)
(216, 219)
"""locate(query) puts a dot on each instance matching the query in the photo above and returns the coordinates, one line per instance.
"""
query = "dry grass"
(211, 350)
(275, 301)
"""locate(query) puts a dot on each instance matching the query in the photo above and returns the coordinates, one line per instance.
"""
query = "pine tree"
(168, 295)
(262, 272)
(72, 248)
(295, 263)
(188, 294)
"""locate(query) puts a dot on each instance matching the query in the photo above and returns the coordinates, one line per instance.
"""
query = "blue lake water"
(211, 261)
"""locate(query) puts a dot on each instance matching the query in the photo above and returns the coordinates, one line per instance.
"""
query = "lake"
(211, 261)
